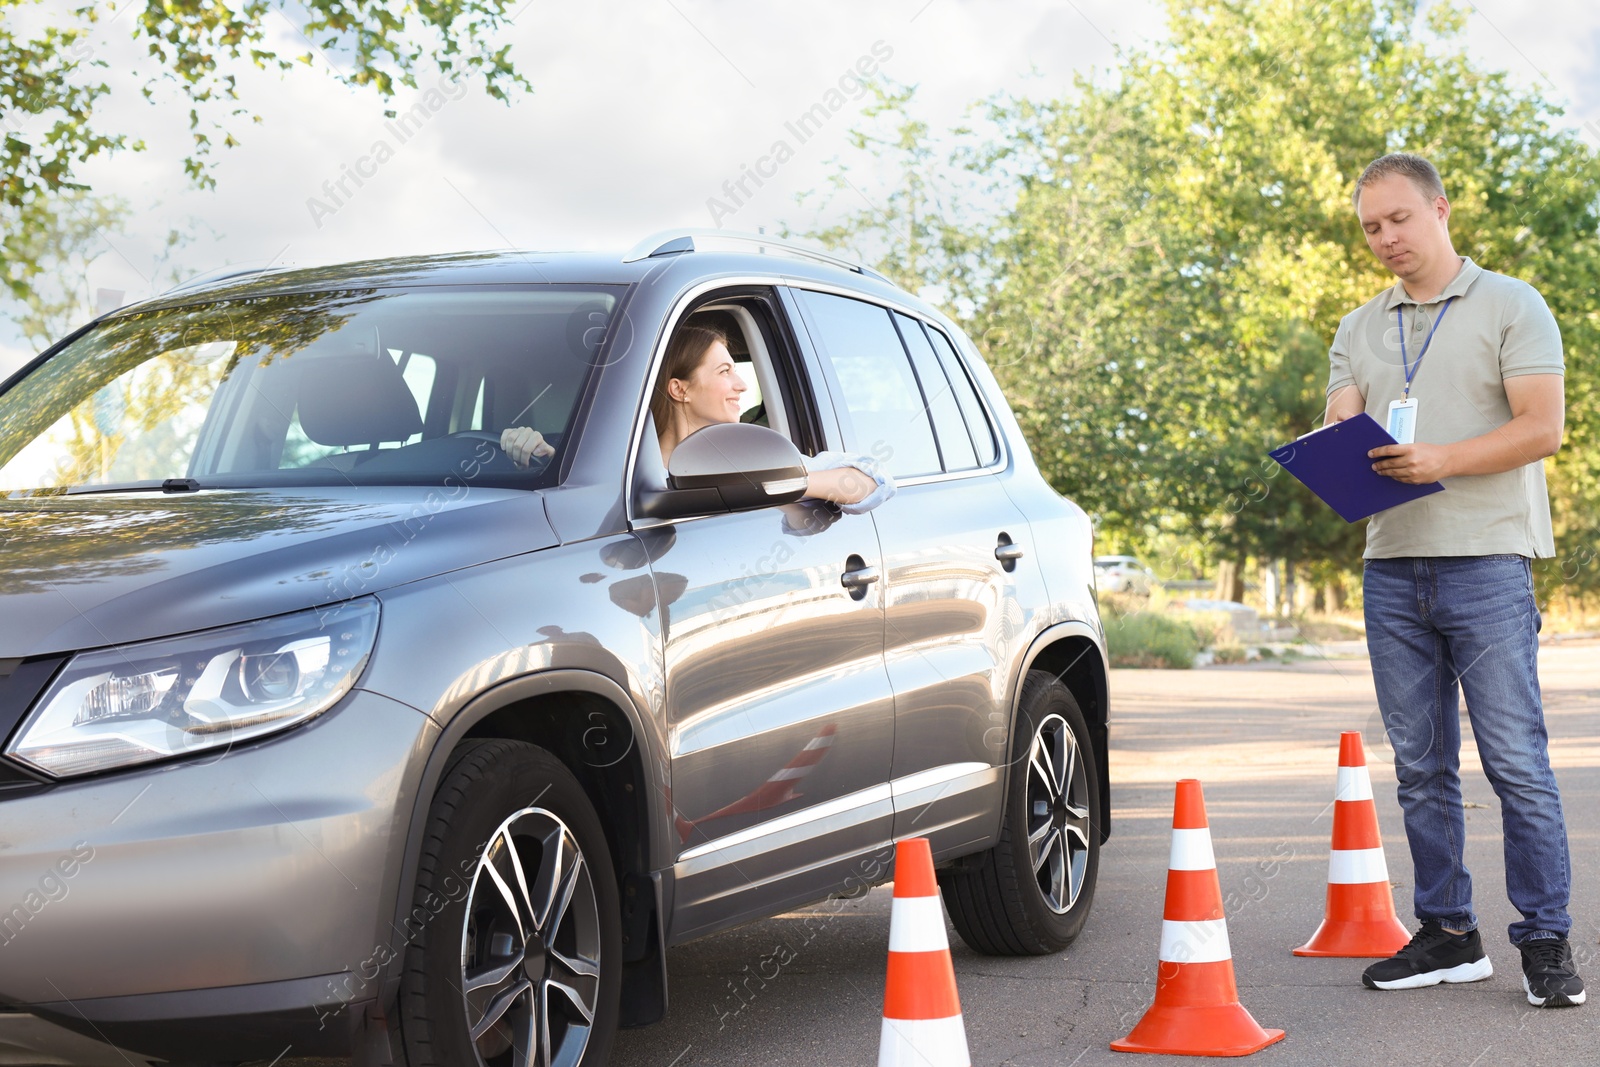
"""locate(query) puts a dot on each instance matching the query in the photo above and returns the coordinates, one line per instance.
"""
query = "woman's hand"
(523, 443)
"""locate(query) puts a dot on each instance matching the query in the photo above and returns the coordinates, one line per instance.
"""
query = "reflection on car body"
(387, 746)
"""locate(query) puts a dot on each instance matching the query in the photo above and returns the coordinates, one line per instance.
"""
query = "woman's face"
(711, 393)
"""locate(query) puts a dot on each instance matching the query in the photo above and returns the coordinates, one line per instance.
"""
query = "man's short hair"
(1421, 173)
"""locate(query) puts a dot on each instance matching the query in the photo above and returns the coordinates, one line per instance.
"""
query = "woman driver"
(698, 386)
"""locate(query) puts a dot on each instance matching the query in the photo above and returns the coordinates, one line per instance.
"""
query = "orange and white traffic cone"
(1359, 919)
(921, 1014)
(1196, 1010)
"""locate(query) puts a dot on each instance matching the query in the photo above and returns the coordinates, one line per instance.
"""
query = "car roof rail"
(213, 276)
(672, 242)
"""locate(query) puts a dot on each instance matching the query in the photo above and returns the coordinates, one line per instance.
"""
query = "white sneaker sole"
(1560, 1000)
(1476, 971)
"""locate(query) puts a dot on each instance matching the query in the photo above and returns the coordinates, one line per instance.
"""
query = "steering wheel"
(536, 464)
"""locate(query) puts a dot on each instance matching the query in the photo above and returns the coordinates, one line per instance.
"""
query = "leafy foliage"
(54, 81)
(1149, 639)
(1175, 246)
(64, 237)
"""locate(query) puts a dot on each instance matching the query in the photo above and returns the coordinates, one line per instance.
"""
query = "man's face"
(1406, 231)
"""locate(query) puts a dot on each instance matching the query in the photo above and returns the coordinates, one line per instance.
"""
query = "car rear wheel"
(518, 963)
(1030, 894)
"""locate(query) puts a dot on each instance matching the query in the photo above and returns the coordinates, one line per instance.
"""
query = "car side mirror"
(728, 466)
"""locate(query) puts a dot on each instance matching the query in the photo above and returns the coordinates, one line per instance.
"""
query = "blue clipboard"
(1332, 462)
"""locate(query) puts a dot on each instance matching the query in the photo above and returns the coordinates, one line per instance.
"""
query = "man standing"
(1465, 367)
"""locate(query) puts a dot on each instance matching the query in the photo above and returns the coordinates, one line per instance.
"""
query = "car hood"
(90, 570)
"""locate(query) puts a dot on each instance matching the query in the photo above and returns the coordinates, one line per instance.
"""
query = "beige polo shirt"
(1496, 328)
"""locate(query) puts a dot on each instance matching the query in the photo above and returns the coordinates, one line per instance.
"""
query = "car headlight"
(134, 703)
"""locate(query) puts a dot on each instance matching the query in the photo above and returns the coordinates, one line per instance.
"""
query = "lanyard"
(1411, 368)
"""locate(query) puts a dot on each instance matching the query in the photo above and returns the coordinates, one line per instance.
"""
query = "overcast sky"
(641, 111)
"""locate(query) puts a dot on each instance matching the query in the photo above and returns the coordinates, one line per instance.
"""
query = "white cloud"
(641, 111)
(1548, 46)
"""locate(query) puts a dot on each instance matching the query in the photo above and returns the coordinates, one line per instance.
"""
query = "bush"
(1211, 628)
(1229, 654)
(1145, 639)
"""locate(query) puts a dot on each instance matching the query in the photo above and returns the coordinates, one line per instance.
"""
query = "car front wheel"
(1030, 894)
(517, 959)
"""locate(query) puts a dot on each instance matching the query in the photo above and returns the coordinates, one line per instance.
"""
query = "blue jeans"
(1437, 626)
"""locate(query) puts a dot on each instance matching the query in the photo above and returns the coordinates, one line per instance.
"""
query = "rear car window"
(884, 412)
(966, 394)
(955, 442)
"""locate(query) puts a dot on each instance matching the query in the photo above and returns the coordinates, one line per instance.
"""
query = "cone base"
(1219, 1030)
(1377, 939)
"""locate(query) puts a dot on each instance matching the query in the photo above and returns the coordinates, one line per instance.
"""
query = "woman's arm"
(855, 483)
(846, 485)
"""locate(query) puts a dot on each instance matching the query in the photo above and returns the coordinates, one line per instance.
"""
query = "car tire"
(515, 935)
(1022, 899)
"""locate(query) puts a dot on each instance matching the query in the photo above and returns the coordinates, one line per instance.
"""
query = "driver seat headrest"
(356, 401)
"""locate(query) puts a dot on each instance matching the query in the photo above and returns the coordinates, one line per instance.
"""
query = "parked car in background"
(328, 726)
(1123, 574)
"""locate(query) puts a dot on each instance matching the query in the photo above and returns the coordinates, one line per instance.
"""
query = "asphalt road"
(1264, 741)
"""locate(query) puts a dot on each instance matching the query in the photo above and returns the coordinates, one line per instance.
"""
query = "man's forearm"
(1346, 402)
(1525, 439)
(1538, 414)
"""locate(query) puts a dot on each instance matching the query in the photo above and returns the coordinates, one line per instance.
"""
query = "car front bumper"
(250, 888)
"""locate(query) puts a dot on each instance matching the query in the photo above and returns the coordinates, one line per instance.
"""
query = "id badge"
(1403, 420)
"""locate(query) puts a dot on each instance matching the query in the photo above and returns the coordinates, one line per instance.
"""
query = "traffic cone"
(1196, 1010)
(921, 1014)
(1359, 919)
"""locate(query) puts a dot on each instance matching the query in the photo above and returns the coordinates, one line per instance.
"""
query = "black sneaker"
(1549, 975)
(1434, 955)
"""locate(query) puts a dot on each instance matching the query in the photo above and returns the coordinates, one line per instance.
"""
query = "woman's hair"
(685, 352)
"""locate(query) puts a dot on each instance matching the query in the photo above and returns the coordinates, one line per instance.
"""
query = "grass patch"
(1319, 628)
(1145, 639)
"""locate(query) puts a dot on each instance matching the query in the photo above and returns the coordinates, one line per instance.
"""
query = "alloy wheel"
(1058, 813)
(530, 946)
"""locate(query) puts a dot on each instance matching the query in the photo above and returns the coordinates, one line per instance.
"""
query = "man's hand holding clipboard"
(1358, 469)
(1412, 464)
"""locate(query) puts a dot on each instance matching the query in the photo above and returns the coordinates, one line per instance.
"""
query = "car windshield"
(357, 386)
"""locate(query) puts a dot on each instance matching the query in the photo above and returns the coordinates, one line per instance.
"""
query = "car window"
(303, 389)
(416, 370)
(752, 405)
(737, 318)
(955, 442)
(881, 407)
(983, 437)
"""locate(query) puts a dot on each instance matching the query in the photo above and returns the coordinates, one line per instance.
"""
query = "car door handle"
(1008, 553)
(859, 578)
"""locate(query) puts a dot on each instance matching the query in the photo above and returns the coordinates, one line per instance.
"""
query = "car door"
(958, 562)
(781, 716)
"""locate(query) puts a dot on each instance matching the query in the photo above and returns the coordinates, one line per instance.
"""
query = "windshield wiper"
(168, 485)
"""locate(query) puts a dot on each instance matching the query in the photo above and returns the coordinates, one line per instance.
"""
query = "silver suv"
(328, 725)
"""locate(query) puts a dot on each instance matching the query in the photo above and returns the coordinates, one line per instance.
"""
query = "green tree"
(1177, 245)
(54, 82)
(69, 232)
